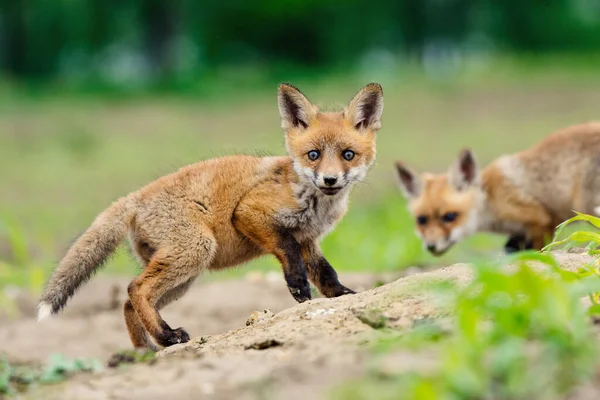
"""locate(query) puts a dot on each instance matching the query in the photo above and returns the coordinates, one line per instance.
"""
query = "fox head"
(331, 150)
(445, 207)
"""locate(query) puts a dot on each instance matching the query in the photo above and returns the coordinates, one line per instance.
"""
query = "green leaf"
(594, 310)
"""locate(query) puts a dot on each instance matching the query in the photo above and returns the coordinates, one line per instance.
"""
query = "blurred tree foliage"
(146, 39)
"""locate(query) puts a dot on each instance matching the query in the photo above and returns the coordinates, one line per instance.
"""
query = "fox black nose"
(330, 180)
(431, 248)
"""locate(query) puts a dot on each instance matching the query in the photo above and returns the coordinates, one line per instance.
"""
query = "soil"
(251, 340)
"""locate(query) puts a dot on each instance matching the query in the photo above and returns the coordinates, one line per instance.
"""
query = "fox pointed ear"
(294, 108)
(365, 109)
(410, 183)
(464, 172)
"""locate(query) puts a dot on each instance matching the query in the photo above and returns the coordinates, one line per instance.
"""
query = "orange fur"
(527, 193)
(222, 212)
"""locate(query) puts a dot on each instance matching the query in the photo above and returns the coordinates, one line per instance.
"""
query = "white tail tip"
(44, 311)
(597, 211)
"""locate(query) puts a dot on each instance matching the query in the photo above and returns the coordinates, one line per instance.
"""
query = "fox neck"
(494, 198)
(316, 213)
(483, 212)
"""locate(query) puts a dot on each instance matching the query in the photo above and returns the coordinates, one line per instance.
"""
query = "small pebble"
(259, 316)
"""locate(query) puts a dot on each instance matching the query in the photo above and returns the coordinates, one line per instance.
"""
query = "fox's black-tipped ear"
(464, 172)
(365, 109)
(294, 108)
(410, 183)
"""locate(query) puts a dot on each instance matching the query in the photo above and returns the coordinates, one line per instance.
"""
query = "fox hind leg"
(137, 333)
(174, 294)
(167, 276)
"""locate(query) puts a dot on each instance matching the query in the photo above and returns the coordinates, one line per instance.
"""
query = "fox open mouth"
(330, 191)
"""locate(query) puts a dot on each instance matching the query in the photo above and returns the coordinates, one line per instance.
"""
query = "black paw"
(337, 291)
(301, 292)
(517, 243)
(511, 248)
(173, 336)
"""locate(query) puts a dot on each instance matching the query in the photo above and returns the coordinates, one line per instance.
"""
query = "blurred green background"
(99, 97)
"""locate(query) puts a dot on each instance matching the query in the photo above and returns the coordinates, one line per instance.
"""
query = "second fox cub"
(222, 212)
(525, 195)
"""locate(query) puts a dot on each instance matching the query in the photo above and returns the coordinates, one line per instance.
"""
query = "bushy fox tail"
(86, 255)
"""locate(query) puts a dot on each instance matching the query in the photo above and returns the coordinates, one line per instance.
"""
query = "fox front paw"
(301, 292)
(337, 291)
(173, 336)
(517, 243)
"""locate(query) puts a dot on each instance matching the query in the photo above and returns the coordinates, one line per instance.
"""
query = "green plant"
(135, 356)
(59, 368)
(17, 269)
(517, 333)
(17, 378)
(579, 237)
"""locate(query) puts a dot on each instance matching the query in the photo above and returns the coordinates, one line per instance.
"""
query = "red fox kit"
(222, 212)
(525, 195)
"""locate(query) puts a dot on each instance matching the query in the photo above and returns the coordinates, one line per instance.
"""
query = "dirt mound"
(92, 324)
(297, 352)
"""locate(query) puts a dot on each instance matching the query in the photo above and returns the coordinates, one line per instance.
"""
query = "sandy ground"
(92, 324)
(299, 351)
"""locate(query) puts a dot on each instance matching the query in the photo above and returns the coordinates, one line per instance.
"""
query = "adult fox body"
(222, 212)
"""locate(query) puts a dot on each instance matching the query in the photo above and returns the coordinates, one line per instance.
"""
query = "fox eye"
(348, 155)
(422, 219)
(313, 155)
(449, 217)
